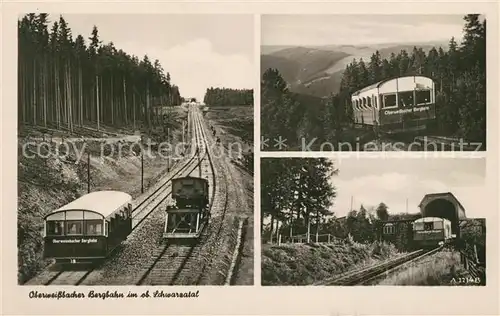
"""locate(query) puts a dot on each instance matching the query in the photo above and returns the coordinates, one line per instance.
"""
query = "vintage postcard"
(249, 158)
(128, 172)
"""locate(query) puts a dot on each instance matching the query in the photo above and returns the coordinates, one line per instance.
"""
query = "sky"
(371, 181)
(199, 51)
(313, 30)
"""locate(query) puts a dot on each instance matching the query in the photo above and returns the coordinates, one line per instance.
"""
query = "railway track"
(69, 277)
(367, 275)
(75, 275)
(170, 261)
(144, 205)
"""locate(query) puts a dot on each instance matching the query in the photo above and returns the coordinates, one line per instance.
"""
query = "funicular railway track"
(171, 261)
(369, 274)
(69, 275)
(145, 207)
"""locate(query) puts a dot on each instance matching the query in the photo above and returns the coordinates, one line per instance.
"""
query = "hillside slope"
(304, 264)
(318, 70)
(300, 65)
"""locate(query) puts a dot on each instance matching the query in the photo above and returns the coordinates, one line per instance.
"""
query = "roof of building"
(102, 202)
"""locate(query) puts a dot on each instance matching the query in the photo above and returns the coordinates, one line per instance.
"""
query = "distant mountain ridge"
(318, 70)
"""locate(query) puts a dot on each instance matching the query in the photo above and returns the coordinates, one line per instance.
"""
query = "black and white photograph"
(135, 149)
(373, 221)
(373, 82)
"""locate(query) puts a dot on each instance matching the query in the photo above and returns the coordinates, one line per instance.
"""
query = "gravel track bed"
(69, 278)
(165, 269)
(44, 276)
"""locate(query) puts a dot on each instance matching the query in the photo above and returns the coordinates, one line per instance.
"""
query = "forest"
(228, 97)
(66, 80)
(294, 192)
(459, 74)
(297, 194)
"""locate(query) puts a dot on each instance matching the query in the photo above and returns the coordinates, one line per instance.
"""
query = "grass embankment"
(304, 264)
(234, 124)
(234, 127)
(443, 268)
(45, 184)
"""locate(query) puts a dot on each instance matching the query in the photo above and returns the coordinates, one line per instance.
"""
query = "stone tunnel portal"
(445, 209)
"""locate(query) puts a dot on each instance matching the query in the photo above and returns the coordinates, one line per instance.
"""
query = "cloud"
(194, 66)
(302, 31)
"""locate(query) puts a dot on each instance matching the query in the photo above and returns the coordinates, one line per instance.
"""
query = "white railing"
(304, 238)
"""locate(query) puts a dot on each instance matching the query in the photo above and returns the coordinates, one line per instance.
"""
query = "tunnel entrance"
(444, 209)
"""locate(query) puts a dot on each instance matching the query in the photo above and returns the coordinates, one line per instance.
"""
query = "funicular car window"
(418, 226)
(406, 98)
(55, 228)
(389, 100)
(93, 227)
(423, 96)
(438, 225)
(74, 227)
(369, 101)
(429, 226)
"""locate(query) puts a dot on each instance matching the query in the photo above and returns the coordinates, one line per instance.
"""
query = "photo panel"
(135, 162)
(373, 221)
(380, 82)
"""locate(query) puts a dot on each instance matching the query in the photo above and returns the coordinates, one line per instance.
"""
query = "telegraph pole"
(168, 157)
(308, 230)
(183, 137)
(317, 228)
(88, 172)
(199, 161)
(142, 167)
